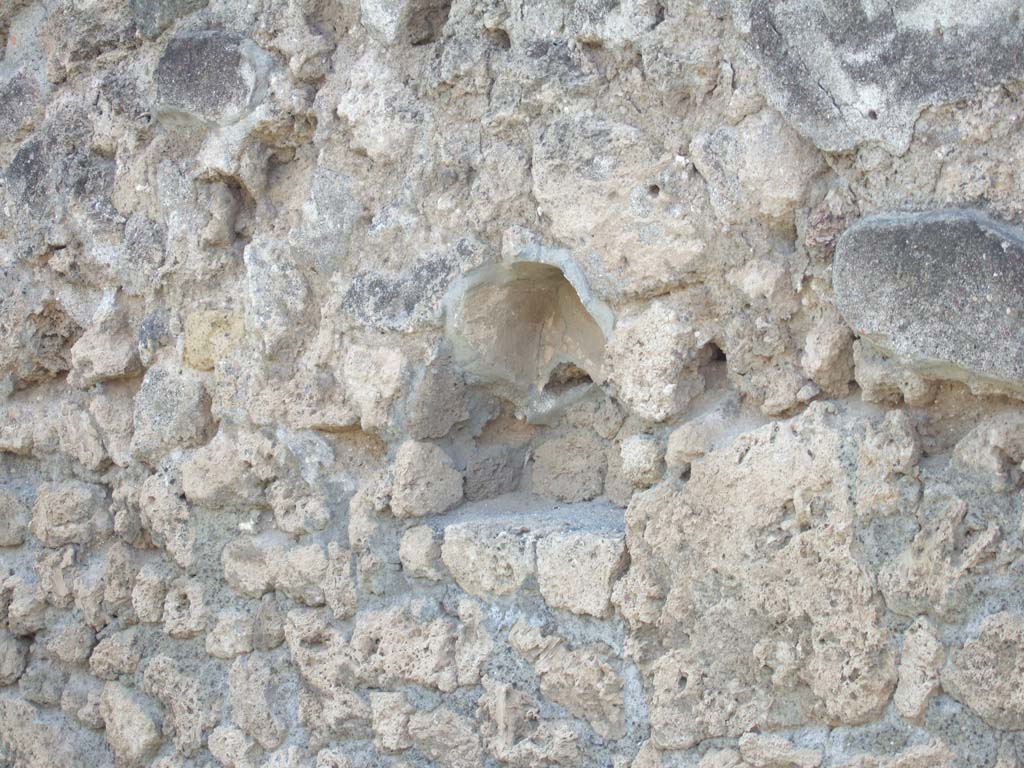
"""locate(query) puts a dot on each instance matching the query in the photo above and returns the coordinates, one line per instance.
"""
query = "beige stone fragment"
(570, 467)
(301, 572)
(374, 377)
(149, 592)
(767, 751)
(576, 570)
(69, 513)
(420, 552)
(209, 335)
(994, 450)
(883, 381)
(185, 612)
(487, 559)
(231, 634)
(391, 713)
(116, 655)
(394, 646)
(651, 361)
(987, 675)
(828, 356)
(166, 516)
(132, 732)
(252, 685)
(226, 473)
(760, 168)
(446, 737)
(249, 566)
(13, 519)
(920, 665)
(581, 680)
(190, 710)
(13, 657)
(72, 641)
(339, 585)
(425, 482)
(172, 410)
(107, 350)
(514, 733)
(231, 748)
(473, 645)
(641, 460)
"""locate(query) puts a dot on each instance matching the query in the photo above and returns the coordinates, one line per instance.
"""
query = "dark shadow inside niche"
(714, 367)
(426, 20)
(500, 38)
(565, 376)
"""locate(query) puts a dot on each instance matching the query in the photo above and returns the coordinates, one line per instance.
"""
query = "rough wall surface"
(629, 383)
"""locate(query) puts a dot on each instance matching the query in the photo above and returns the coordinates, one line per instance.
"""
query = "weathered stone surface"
(986, 675)
(14, 519)
(428, 383)
(426, 483)
(210, 75)
(938, 290)
(154, 16)
(760, 169)
(69, 513)
(487, 559)
(845, 73)
(172, 410)
(133, 734)
(209, 335)
(576, 570)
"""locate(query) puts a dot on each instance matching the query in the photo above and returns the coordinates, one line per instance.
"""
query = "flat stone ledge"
(575, 552)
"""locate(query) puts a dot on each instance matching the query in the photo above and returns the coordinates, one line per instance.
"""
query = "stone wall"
(620, 383)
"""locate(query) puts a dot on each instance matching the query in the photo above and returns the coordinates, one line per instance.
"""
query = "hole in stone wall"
(427, 21)
(565, 376)
(524, 324)
(500, 38)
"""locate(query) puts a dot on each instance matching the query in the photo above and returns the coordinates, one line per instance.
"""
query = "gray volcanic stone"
(943, 291)
(847, 71)
(215, 76)
(154, 16)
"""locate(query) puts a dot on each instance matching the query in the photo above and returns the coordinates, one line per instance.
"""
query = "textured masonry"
(511, 383)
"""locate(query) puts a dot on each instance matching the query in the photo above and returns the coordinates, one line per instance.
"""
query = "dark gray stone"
(154, 16)
(21, 101)
(943, 291)
(213, 76)
(845, 71)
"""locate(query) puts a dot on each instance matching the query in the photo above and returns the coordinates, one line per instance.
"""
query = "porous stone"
(577, 570)
(69, 513)
(420, 552)
(651, 360)
(210, 335)
(759, 169)
(488, 559)
(249, 567)
(985, 673)
(14, 519)
(426, 483)
(923, 657)
(134, 735)
(570, 467)
(543, 383)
